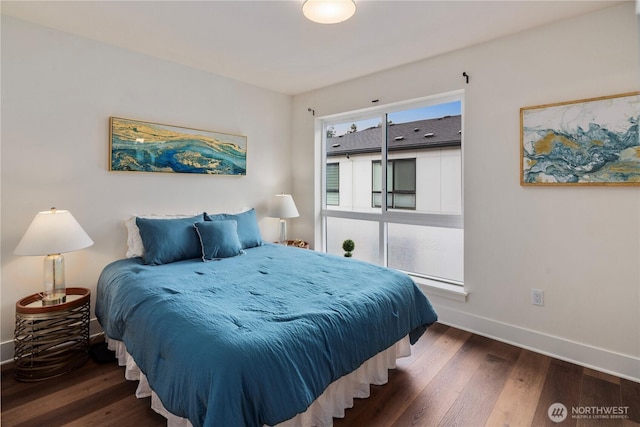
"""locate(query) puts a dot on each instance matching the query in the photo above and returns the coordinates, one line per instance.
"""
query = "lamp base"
(282, 238)
(54, 299)
(54, 288)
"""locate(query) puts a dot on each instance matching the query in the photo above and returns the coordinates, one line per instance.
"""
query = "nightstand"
(51, 340)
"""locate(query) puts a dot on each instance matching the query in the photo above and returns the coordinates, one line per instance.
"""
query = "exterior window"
(407, 215)
(333, 184)
(401, 184)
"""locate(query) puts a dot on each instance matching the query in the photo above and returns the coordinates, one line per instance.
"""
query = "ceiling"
(271, 45)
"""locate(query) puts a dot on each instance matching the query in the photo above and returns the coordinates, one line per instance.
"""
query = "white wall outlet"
(537, 297)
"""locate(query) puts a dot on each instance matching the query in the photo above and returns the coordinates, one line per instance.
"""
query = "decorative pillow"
(169, 240)
(135, 248)
(218, 239)
(248, 230)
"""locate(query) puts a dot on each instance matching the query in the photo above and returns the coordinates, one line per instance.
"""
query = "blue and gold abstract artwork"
(587, 142)
(152, 147)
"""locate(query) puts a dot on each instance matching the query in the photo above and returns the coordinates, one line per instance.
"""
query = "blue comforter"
(256, 338)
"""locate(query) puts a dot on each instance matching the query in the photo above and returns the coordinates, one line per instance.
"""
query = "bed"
(256, 338)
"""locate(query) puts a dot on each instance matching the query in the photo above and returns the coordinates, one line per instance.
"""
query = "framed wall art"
(587, 142)
(152, 147)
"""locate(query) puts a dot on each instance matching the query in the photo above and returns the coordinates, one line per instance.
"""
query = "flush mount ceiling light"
(328, 11)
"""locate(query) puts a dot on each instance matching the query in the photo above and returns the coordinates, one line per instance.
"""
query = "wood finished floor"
(453, 378)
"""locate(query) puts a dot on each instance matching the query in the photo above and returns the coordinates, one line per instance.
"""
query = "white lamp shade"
(283, 206)
(328, 11)
(53, 232)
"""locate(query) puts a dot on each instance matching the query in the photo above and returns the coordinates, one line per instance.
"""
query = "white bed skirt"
(332, 403)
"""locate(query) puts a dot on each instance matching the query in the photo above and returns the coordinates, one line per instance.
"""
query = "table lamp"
(282, 206)
(51, 233)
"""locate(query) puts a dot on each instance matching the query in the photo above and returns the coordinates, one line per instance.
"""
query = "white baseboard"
(6, 352)
(620, 365)
(7, 348)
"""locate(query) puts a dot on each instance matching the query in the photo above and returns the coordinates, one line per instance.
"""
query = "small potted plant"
(348, 246)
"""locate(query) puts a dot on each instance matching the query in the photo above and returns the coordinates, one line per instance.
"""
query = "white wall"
(580, 245)
(438, 178)
(58, 92)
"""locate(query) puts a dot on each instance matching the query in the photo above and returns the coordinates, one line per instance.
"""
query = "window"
(333, 184)
(408, 215)
(401, 184)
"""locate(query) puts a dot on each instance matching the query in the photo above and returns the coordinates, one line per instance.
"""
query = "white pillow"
(135, 248)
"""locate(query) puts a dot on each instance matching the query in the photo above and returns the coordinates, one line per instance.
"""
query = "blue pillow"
(218, 239)
(248, 230)
(169, 240)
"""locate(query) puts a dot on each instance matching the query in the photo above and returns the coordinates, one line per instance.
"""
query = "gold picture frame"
(586, 142)
(140, 146)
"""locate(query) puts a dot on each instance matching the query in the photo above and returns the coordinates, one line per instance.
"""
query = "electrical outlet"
(537, 297)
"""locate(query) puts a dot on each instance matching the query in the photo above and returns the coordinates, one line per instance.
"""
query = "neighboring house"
(415, 151)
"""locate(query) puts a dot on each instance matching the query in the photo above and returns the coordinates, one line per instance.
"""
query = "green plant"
(348, 246)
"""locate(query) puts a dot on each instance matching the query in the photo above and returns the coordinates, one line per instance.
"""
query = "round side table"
(51, 340)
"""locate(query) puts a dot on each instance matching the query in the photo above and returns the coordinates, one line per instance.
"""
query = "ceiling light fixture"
(328, 11)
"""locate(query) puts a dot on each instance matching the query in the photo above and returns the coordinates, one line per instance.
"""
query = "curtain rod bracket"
(313, 112)
(466, 76)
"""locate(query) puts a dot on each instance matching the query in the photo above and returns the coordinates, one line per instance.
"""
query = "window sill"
(445, 290)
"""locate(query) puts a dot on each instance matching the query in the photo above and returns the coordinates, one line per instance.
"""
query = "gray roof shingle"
(420, 134)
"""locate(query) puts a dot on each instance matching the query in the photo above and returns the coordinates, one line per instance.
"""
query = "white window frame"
(386, 216)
